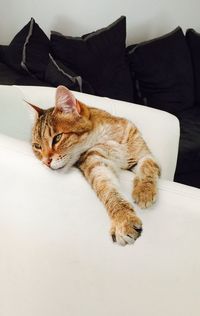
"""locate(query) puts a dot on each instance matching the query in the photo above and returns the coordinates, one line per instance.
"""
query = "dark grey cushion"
(99, 58)
(193, 40)
(58, 74)
(28, 51)
(163, 72)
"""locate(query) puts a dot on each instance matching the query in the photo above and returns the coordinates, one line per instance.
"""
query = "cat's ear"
(66, 101)
(35, 110)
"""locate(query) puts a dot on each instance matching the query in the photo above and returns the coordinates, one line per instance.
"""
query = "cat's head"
(59, 133)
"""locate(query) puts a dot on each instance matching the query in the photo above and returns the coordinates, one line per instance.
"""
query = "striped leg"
(126, 227)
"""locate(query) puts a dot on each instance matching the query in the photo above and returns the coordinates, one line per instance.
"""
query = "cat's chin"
(64, 167)
(56, 165)
(57, 168)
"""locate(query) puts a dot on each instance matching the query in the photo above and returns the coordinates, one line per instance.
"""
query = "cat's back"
(100, 116)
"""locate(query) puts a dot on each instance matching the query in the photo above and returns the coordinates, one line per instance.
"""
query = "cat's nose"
(47, 161)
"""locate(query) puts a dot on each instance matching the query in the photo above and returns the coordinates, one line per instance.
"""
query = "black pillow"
(163, 71)
(193, 40)
(99, 57)
(28, 51)
(2, 49)
(58, 74)
(9, 76)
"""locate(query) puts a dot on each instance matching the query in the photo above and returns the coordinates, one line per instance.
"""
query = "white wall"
(145, 18)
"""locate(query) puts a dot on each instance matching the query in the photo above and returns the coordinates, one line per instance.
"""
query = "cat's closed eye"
(56, 139)
(37, 146)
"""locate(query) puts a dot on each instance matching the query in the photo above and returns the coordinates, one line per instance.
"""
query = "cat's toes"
(144, 192)
(126, 231)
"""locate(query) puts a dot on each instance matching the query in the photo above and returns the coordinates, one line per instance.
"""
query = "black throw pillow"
(58, 74)
(193, 40)
(99, 57)
(163, 72)
(2, 50)
(28, 51)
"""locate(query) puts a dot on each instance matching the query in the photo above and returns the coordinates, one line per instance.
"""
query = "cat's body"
(99, 144)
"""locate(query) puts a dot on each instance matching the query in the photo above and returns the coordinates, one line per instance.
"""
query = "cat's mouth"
(65, 163)
(57, 164)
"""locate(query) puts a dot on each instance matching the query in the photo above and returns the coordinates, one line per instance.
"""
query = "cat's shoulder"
(103, 116)
(97, 111)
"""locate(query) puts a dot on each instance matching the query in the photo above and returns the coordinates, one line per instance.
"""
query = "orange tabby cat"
(99, 144)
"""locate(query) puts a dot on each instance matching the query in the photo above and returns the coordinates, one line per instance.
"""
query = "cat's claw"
(126, 230)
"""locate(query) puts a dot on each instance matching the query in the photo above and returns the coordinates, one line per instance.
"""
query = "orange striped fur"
(99, 144)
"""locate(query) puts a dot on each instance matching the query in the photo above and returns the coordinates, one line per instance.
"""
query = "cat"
(99, 144)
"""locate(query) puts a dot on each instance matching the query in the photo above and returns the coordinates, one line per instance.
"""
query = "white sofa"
(56, 256)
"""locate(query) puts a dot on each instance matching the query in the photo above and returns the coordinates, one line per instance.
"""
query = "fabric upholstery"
(99, 58)
(193, 40)
(163, 73)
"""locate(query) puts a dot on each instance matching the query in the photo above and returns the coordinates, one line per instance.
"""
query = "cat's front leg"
(126, 227)
(145, 182)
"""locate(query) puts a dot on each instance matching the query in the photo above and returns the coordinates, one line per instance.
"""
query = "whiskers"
(59, 162)
(65, 161)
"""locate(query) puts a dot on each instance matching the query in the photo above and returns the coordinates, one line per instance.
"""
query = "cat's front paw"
(144, 192)
(126, 228)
